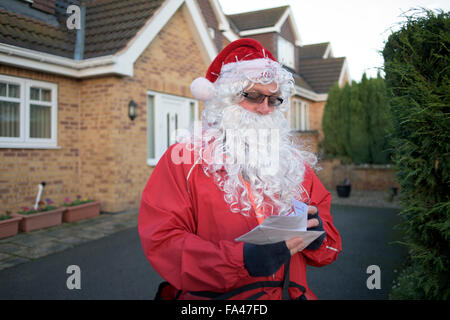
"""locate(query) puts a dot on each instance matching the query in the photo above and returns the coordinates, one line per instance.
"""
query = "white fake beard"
(240, 137)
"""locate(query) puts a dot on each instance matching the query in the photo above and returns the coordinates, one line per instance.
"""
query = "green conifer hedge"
(356, 122)
(417, 67)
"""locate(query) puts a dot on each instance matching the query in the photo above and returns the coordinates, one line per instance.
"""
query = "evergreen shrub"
(417, 67)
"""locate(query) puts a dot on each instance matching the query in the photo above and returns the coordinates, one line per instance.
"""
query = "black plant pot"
(343, 191)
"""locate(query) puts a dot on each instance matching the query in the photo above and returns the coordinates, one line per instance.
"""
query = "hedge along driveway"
(368, 237)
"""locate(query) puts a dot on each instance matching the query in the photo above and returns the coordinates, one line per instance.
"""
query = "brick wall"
(21, 170)
(99, 114)
(286, 32)
(369, 177)
(315, 133)
(268, 41)
(316, 110)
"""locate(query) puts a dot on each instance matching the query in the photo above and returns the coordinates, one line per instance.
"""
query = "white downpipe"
(38, 198)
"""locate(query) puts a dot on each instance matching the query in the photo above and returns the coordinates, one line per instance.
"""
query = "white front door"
(173, 113)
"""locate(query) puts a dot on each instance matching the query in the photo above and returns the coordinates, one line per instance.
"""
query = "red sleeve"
(167, 227)
(331, 246)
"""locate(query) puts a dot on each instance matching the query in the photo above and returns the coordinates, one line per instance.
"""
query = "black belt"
(285, 285)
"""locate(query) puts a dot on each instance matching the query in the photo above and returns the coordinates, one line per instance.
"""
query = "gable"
(287, 32)
(257, 19)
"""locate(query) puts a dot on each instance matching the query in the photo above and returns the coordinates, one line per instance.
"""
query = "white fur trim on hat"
(202, 89)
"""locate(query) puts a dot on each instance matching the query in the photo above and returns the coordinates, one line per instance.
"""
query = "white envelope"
(280, 228)
(301, 210)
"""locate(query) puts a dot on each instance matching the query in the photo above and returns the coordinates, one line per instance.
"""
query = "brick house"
(65, 94)
(64, 114)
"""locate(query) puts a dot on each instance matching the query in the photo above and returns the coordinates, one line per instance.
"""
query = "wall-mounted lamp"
(132, 110)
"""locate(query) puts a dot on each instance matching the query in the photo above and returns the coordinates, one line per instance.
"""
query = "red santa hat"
(243, 55)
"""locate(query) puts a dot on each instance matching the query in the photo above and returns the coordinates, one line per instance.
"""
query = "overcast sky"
(357, 29)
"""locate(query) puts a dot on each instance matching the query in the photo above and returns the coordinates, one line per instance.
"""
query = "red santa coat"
(187, 233)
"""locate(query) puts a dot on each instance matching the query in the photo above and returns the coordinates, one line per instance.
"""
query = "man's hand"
(295, 244)
(312, 222)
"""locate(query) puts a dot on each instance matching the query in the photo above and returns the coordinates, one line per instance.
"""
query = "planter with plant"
(344, 189)
(80, 209)
(9, 225)
(44, 216)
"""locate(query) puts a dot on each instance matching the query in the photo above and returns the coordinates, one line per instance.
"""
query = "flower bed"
(46, 215)
(80, 209)
(9, 226)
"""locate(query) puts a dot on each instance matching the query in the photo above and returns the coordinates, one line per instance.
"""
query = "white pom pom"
(202, 89)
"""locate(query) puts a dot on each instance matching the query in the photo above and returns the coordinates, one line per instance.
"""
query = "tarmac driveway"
(368, 238)
(115, 267)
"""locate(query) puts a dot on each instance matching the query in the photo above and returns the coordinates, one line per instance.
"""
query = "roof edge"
(224, 24)
(36, 60)
(308, 94)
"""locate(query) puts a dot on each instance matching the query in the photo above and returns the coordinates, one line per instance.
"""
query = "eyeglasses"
(256, 97)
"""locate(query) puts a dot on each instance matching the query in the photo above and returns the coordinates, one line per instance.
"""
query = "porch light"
(132, 110)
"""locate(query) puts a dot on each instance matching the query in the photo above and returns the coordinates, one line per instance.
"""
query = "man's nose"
(264, 107)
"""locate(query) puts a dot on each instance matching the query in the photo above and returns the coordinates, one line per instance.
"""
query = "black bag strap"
(285, 285)
(285, 291)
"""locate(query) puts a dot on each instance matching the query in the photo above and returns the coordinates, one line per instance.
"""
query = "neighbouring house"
(66, 93)
(314, 67)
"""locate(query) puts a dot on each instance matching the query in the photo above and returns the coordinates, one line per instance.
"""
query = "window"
(28, 113)
(167, 114)
(285, 52)
(300, 115)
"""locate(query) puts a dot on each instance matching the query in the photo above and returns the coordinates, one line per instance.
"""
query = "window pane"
(9, 119)
(302, 117)
(2, 89)
(40, 121)
(46, 95)
(168, 130)
(13, 91)
(34, 93)
(297, 116)
(285, 52)
(192, 114)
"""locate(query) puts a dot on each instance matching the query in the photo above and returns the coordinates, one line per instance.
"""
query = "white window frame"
(286, 53)
(157, 107)
(299, 115)
(24, 140)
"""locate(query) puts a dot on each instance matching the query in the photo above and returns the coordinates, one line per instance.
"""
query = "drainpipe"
(38, 198)
(79, 44)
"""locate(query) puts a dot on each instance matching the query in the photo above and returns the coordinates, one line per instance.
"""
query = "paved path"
(26, 247)
(114, 267)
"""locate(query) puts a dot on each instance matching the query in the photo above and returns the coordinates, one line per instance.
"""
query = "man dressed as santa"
(225, 179)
